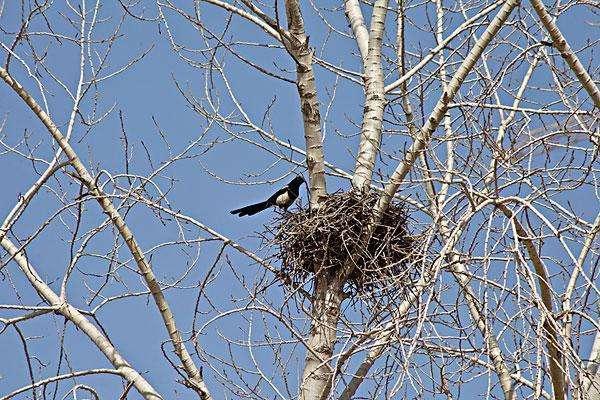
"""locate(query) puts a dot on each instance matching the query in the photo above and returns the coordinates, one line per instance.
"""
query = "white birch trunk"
(370, 138)
(317, 374)
(309, 102)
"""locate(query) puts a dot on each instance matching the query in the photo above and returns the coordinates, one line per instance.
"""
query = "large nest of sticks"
(331, 240)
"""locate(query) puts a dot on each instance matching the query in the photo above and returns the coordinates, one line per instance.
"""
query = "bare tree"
(448, 248)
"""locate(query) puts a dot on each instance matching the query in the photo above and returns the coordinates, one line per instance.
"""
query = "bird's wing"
(284, 199)
(273, 199)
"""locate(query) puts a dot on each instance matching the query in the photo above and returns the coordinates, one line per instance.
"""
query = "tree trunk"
(317, 375)
(309, 102)
(370, 136)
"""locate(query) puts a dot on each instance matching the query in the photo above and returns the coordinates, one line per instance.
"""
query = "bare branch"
(194, 376)
(439, 111)
(122, 366)
(567, 53)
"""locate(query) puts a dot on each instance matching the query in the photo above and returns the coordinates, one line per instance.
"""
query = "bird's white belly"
(283, 199)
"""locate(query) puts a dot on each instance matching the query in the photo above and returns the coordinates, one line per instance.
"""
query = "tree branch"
(357, 23)
(441, 107)
(554, 350)
(194, 376)
(566, 52)
(68, 311)
(370, 132)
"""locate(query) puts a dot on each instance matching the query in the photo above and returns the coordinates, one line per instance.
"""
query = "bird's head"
(296, 182)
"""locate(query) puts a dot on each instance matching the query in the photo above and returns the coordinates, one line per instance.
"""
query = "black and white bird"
(283, 198)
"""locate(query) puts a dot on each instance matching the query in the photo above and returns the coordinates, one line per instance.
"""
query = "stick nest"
(326, 240)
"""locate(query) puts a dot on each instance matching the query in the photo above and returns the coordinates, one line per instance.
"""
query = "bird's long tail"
(252, 209)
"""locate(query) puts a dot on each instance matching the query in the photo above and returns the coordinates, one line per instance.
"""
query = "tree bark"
(357, 23)
(318, 373)
(370, 137)
(590, 388)
(309, 102)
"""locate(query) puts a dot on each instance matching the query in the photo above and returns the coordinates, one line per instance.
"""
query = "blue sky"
(160, 122)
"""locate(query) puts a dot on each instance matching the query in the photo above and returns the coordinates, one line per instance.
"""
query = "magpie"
(282, 198)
